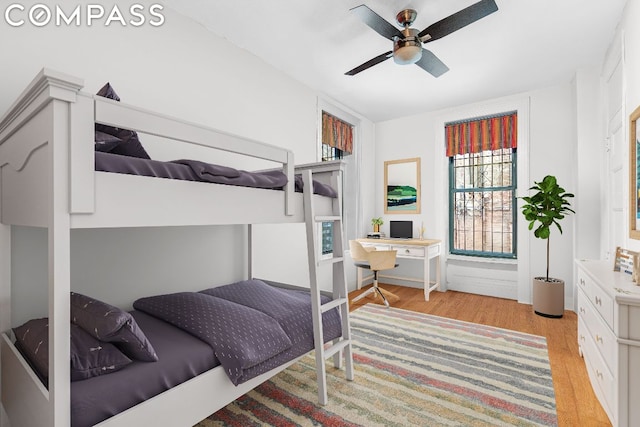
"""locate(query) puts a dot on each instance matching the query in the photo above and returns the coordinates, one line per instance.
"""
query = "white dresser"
(609, 338)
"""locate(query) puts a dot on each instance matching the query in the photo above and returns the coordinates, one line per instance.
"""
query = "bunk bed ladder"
(340, 298)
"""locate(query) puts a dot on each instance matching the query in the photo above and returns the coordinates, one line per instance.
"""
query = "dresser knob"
(598, 338)
(598, 301)
(599, 374)
(581, 337)
(582, 282)
(582, 310)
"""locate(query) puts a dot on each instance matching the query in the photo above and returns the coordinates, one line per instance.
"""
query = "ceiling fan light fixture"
(407, 55)
(407, 50)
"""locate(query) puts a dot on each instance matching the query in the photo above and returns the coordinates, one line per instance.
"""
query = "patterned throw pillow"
(89, 357)
(130, 144)
(110, 324)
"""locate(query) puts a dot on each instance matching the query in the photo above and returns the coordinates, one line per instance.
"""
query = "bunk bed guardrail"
(82, 110)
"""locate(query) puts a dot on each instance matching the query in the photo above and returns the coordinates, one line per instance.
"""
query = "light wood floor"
(576, 404)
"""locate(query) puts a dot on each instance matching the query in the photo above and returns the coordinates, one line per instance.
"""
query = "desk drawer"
(407, 251)
(377, 246)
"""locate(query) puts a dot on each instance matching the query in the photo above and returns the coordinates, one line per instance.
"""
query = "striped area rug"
(412, 369)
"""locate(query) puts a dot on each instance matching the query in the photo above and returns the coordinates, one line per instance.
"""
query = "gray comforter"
(251, 326)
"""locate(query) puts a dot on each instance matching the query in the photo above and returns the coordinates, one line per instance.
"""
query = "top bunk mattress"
(193, 170)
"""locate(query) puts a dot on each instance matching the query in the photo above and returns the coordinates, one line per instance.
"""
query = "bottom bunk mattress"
(181, 357)
(246, 328)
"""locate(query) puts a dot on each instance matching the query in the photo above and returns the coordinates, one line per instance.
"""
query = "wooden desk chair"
(375, 261)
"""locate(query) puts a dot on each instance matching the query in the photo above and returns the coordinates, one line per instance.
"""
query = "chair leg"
(371, 290)
(377, 291)
(375, 286)
(383, 297)
(391, 297)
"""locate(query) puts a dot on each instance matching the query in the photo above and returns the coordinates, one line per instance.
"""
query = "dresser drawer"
(602, 302)
(406, 251)
(603, 338)
(583, 334)
(602, 380)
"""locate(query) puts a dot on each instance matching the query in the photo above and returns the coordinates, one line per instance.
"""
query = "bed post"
(5, 293)
(40, 125)
(289, 190)
(59, 269)
(249, 251)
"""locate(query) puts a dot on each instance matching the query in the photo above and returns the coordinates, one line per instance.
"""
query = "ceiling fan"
(407, 43)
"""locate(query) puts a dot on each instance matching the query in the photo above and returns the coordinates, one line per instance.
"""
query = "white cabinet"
(609, 338)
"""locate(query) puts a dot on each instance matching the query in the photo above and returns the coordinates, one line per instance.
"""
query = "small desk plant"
(376, 223)
(545, 208)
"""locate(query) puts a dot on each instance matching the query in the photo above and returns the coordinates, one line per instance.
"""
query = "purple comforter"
(193, 170)
(251, 326)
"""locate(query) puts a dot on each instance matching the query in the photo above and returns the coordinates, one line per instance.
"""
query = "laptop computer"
(401, 229)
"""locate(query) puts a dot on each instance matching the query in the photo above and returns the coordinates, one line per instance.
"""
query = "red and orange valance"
(482, 134)
(337, 133)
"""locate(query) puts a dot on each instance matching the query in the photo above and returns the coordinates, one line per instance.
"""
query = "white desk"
(416, 249)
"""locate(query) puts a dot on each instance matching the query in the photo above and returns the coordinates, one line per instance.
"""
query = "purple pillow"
(129, 144)
(108, 323)
(105, 142)
(89, 357)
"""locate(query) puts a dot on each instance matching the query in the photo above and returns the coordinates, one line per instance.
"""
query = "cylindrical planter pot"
(548, 297)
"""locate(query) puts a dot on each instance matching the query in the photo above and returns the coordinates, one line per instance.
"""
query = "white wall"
(631, 84)
(589, 150)
(182, 70)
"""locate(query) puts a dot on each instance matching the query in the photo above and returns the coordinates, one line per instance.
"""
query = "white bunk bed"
(47, 179)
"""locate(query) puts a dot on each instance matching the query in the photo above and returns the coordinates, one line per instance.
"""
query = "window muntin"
(482, 216)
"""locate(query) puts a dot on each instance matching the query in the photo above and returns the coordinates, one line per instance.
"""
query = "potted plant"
(376, 222)
(547, 207)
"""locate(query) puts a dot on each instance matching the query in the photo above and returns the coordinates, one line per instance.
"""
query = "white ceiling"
(525, 45)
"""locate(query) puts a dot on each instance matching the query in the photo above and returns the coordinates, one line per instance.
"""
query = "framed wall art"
(634, 176)
(402, 186)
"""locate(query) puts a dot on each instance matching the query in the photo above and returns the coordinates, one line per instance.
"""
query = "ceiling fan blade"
(432, 64)
(370, 63)
(458, 20)
(376, 22)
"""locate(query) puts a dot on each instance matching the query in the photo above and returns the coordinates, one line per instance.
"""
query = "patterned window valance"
(482, 134)
(337, 133)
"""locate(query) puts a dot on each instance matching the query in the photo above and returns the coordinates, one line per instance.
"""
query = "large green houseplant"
(544, 209)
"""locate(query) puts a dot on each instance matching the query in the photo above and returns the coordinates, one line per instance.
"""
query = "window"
(331, 153)
(482, 186)
(337, 137)
(337, 142)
